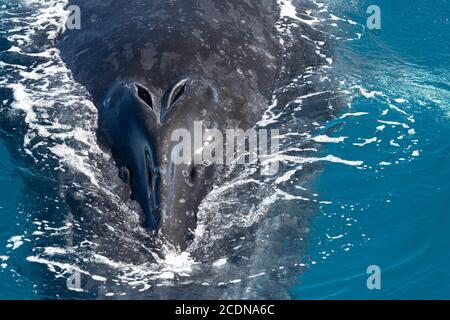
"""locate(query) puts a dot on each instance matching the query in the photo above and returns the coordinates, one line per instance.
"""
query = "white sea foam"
(288, 10)
(366, 142)
(15, 242)
(327, 139)
(220, 262)
(353, 114)
(48, 88)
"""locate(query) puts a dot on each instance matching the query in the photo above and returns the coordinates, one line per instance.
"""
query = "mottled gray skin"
(223, 56)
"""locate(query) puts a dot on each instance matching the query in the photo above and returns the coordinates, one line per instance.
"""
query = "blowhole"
(144, 95)
(178, 92)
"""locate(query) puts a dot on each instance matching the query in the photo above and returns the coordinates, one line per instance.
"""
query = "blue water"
(392, 210)
(13, 285)
(395, 216)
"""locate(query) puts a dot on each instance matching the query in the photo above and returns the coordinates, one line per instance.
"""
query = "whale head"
(144, 131)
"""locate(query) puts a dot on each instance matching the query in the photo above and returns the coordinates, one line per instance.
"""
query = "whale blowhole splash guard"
(217, 150)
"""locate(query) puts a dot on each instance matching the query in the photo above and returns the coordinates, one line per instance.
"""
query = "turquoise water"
(395, 216)
(13, 285)
(392, 210)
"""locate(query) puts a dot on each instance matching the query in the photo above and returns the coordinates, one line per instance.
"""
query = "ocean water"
(393, 212)
(379, 197)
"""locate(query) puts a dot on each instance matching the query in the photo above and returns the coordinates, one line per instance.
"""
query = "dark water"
(374, 193)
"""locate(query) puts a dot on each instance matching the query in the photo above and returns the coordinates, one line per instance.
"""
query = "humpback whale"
(153, 67)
